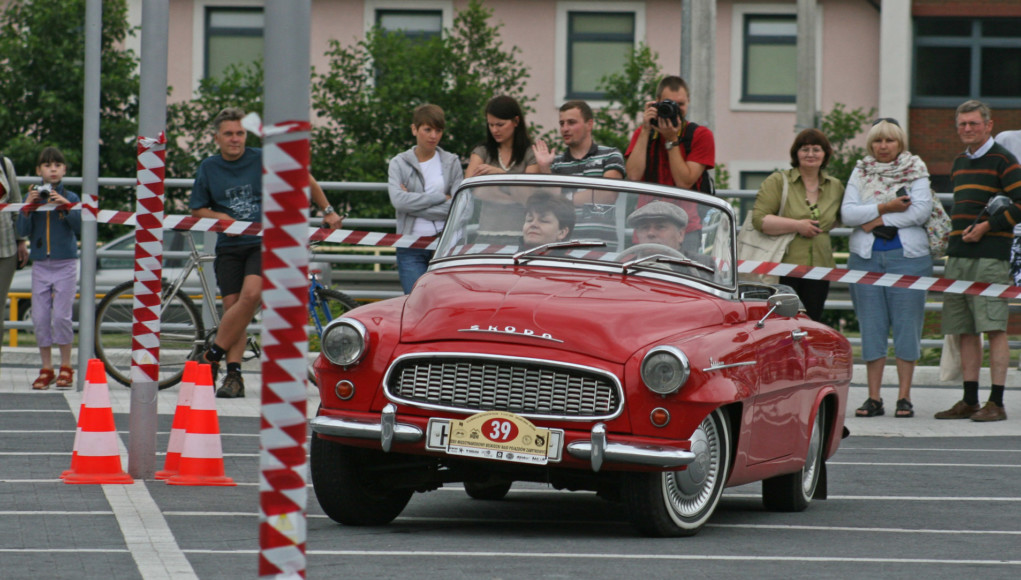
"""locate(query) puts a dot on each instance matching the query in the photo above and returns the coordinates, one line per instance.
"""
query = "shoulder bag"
(937, 228)
(757, 246)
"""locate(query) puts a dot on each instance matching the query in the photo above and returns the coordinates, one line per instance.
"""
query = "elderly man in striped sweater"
(980, 250)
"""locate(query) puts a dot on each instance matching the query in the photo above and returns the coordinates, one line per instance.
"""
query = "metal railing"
(386, 284)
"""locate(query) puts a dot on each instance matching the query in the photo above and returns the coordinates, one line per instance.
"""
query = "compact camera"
(668, 110)
(44, 192)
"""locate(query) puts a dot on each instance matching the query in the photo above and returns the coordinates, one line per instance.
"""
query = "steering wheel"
(642, 250)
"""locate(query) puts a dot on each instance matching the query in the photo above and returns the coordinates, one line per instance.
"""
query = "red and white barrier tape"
(145, 332)
(283, 465)
(877, 279)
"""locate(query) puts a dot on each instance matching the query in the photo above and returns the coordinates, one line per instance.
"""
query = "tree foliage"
(190, 123)
(627, 91)
(366, 96)
(841, 127)
(42, 85)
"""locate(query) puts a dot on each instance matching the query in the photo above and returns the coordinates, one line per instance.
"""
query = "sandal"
(44, 380)
(66, 378)
(905, 409)
(870, 408)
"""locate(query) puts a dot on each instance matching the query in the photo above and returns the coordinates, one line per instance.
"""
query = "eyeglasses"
(890, 120)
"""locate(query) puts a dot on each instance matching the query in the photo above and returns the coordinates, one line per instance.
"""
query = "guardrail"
(382, 282)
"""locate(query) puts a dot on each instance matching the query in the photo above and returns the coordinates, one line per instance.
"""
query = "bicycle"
(183, 335)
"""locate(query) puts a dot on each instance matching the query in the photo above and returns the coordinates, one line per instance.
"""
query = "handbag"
(757, 246)
(937, 228)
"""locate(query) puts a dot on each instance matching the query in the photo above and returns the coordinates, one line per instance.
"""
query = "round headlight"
(665, 370)
(344, 342)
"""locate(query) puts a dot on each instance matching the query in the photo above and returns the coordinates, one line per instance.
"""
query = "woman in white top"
(421, 181)
(888, 199)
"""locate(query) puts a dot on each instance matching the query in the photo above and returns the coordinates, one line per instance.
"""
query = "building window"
(598, 44)
(415, 24)
(751, 180)
(962, 58)
(770, 49)
(234, 36)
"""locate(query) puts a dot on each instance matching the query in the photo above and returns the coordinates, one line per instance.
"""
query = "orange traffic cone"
(97, 459)
(81, 413)
(202, 455)
(178, 428)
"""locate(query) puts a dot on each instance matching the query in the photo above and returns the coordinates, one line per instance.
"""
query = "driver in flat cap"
(663, 224)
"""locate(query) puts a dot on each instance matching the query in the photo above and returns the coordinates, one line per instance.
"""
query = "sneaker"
(233, 386)
(990, 412)
(960, 410)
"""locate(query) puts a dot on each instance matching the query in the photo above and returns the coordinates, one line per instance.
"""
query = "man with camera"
(670, 150)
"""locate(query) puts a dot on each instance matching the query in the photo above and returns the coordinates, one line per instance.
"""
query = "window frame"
(207, 14)
(573, 37)
(414, 35)
(199, 40)
(746, 45)
(737, 55)
(373, 7)
(561, 63)
(974, 42)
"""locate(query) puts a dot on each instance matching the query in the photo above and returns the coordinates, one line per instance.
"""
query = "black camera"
(668, 110)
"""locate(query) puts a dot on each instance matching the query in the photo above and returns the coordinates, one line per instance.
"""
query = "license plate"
(496, 435)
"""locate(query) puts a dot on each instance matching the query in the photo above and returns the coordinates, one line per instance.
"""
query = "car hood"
(609, 316)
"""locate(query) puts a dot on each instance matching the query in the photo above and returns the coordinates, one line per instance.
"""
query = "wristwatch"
(670, 145)
(327, 210)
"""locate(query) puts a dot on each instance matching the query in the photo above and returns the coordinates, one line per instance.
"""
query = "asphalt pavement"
(149, 530)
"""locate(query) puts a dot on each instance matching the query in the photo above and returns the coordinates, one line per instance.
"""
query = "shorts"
(967, 314)
(233, 263)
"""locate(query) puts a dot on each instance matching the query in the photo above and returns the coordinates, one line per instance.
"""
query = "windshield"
(634, 231)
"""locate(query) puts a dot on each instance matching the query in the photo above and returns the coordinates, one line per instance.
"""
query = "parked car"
(620, 365)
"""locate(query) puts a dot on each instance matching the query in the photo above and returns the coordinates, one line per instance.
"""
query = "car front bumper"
(598, 449)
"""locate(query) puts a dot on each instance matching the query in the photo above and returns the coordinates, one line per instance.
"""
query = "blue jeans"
(880, 309)
(411, 264)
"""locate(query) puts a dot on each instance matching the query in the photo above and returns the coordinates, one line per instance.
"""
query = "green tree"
(627, 91)
(367, 94)
(189, 123)
(42, 80)
(841, 127)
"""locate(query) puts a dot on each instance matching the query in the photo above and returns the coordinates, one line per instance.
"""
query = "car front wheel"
(355, 486)
(794, 491)
(679, 503)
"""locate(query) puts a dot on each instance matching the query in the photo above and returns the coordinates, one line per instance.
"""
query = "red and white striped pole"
(283, 470)
(145, 330)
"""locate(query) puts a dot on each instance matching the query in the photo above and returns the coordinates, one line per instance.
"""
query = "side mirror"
(786, 305)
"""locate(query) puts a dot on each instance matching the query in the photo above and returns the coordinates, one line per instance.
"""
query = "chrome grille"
(530, 388)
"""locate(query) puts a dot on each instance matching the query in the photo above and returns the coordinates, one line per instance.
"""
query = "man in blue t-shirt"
(229, 186)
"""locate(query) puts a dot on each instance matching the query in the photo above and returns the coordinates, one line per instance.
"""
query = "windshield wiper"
(538, 250)
(664, 258)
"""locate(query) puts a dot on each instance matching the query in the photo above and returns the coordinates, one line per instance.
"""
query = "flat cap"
(659, 210)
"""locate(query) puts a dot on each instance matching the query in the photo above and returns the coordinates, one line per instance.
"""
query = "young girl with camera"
(53, 238)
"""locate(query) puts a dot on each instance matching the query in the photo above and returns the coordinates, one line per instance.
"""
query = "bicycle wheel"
(327, 305)
(181, 334)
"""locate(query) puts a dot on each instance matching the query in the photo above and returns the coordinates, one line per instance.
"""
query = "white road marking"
(146, 533)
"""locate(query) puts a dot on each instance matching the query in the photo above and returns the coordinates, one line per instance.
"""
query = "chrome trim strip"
(399, 400)
(716, 367)
(337, 427)
(522, 334)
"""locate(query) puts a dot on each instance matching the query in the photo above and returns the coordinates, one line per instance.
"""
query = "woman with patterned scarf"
(888, 200)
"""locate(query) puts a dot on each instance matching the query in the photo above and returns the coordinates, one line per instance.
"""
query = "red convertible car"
(588, 334)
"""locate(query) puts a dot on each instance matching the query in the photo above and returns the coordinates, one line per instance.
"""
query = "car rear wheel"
(794, 491)
(486, 490)
(354, 486)
(679, 503)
